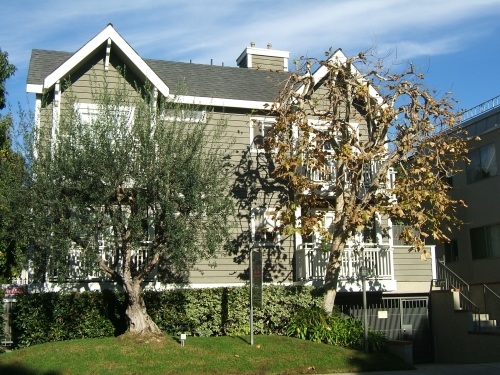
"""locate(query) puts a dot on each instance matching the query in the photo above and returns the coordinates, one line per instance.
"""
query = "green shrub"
(2, 323)
(45, 317)
(315, 325)
(223, 311)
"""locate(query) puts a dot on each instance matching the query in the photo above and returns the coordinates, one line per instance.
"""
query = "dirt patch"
(146, 339)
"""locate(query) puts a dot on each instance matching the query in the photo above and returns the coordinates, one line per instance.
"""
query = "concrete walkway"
(434, 369)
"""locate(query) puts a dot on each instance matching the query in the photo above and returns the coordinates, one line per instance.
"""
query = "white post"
(363, 273)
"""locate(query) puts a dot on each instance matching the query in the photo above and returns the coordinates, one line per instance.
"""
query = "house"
(242, 94)
(399, 281)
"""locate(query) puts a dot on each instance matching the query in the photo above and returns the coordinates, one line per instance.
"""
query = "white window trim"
(266, 122)
(202, 117)
(87, 109)
(322, 125)
(268, 213)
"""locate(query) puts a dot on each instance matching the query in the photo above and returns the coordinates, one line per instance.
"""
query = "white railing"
(311, 262)
(78, 272)
(480, 109)
(329, 173)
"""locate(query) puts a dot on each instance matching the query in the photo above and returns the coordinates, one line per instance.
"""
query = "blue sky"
(455, 42)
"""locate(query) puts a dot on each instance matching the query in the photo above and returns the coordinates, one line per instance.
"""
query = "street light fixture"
(363, 272)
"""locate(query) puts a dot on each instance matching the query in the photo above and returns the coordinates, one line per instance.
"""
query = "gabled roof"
(109, 33)
(206, 84)
(340, 56)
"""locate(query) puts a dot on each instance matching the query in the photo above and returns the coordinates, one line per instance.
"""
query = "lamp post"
(363, 272)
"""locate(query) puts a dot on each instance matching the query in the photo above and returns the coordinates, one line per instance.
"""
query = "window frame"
(478, 172)
(489, 244)
(255, 225)
(267, 122)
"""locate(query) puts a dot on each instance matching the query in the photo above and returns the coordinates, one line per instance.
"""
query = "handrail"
(467, 304)
(487, 288)
(479, 109)
(451, 279)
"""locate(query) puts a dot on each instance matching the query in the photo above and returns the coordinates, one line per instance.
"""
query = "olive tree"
(357, 124)
(127, 185)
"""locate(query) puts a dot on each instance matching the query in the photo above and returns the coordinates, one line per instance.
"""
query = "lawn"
(201, 355)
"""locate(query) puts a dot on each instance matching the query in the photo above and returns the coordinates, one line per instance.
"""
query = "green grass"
(201, 355)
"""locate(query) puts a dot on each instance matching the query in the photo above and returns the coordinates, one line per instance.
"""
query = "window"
(326, 223)
(451, 251)
(483, 163)
(186, 115)
(314, 169)
(90, 112)
(259, 130)
(263, 224)
(485, 242)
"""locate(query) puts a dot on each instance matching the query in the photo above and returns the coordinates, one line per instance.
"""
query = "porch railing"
(329, 173)
(77, 270)
(311, 262)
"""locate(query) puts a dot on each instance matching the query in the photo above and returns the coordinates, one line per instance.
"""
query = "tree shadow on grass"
(17, 369)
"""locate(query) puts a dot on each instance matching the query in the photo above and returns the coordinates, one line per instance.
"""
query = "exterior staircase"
(483, 323)
(481, 311)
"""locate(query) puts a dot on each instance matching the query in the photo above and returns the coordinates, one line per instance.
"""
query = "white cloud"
(220, 29)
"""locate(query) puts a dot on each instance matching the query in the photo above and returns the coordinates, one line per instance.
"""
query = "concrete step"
(486, 323)
(481, 317)
(487, 329)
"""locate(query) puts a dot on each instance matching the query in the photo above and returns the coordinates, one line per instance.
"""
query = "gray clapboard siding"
(267, 62)
(409, 267)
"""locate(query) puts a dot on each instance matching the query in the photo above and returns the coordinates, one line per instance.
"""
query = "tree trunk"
(332, 274)
(138, 319)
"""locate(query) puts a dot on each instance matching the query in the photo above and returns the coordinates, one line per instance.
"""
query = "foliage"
(12, 174)
(316, 325)
(128, 184)
(7, 70)
(47, 317)
(200, 356)
(2, 326)
(353, 129)
(225, 311)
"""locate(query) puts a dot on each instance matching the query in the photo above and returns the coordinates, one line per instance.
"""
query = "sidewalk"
(434, 369)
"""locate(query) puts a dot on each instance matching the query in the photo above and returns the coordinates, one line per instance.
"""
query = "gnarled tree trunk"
(138, 319)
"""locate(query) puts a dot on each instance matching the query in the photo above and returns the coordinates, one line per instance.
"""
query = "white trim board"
(109, 33)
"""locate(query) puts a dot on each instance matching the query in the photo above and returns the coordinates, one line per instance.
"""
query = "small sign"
(382, 314)
(257, 278)
(183, 338)
(12, 291)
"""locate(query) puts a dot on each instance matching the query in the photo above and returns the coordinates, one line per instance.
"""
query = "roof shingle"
(200, 80)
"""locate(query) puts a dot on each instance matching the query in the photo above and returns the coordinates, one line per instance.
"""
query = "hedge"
(2, 326)
(45, 317)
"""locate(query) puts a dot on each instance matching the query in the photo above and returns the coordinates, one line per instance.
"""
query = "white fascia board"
(221, 102)
(37, 89)
(262, 52)
(108, 33)
(342, 58)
